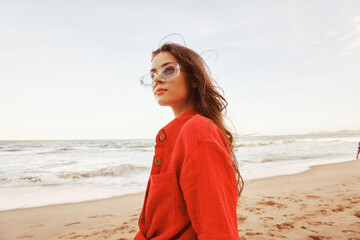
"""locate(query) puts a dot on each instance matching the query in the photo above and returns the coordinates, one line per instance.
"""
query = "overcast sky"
(70, 69)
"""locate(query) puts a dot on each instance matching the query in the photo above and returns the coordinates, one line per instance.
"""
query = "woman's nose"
(157, 80)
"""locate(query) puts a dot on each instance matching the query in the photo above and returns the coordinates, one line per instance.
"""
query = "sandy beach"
(321, 203)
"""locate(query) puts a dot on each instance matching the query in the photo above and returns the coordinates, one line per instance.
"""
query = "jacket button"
(157, 161)
(162, 137)
(143, 220)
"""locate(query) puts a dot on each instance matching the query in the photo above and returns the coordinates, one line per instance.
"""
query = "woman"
(194, 182)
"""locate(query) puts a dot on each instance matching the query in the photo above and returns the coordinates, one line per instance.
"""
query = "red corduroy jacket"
(191, 192)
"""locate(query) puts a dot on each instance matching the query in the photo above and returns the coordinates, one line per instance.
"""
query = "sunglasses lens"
(146, 80)
(169, 72)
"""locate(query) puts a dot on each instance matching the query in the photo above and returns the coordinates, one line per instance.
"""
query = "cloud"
(356, 20)
(353, 38)
(331, 34)
(351, 47)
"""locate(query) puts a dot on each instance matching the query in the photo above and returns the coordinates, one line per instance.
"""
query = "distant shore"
(321, 203)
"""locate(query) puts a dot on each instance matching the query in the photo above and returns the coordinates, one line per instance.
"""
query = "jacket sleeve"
(209, 188)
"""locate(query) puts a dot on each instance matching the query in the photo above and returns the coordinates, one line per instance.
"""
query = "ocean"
(38, 173)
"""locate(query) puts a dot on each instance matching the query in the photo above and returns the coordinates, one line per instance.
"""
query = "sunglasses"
(166, 73)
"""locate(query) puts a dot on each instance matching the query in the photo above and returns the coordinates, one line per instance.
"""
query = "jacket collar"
(173, 127)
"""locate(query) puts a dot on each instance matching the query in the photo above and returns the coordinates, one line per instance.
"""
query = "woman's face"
(175, 92)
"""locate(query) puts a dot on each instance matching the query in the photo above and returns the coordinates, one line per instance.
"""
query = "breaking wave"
(122, 170)
(114, 171)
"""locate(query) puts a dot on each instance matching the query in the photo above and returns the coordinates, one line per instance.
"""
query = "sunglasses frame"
(158, 74)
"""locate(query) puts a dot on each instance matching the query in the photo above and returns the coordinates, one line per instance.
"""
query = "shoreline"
(78, 193)
(321, 201)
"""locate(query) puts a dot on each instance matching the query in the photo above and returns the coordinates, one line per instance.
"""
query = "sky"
(70, 69)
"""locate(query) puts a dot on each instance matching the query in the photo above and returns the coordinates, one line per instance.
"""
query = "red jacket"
(192, 191)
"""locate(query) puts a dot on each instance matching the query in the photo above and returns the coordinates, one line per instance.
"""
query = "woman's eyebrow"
(154, 70)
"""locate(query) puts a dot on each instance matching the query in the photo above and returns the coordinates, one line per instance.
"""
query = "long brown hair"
(207, 100)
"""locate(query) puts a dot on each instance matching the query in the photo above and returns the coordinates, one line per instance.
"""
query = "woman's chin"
(164, 104)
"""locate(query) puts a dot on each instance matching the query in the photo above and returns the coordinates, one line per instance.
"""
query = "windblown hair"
(207, 99)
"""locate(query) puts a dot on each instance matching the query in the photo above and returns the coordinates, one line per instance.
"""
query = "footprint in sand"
(106, 215)
(317, 223)
(357, 214)
(322, 211)
(252, 209)
(258, 213)
(355, 199)
(241, 218)
(338, 209)
(67, 235)
(269, 197)
(273, 204)
(355, 226)
(319, 237)
(267, 218)
(72, 224)
(79, 236)
(298, 218)
(123, 227)
(285, 225)
(253, 234)
(312, 196)
(120, 228)
(349, 231)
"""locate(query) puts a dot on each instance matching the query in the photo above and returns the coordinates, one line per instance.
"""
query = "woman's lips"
(160, 91)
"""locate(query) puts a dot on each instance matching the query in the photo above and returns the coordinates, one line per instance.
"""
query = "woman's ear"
(194, 85)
